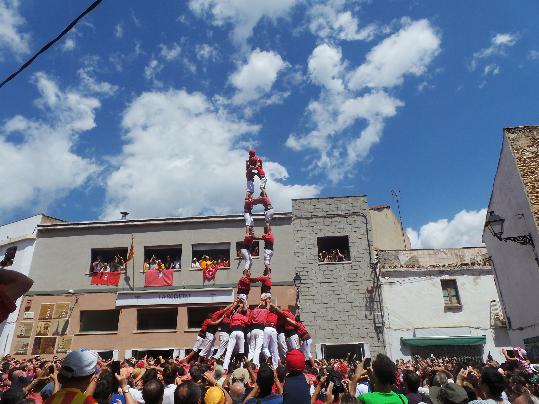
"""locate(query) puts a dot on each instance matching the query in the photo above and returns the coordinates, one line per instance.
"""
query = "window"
(255, 249)
(333, 249)
(9, 256)
(218, 253)
(157, 319)
(170, 256)
(342, 351)
(196, 315)
(451, 293)
(465, 353)
(99, 320)
(108, 259)
(152, 353)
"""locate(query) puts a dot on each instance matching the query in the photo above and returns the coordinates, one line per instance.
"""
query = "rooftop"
(524, 143)
(470, 257)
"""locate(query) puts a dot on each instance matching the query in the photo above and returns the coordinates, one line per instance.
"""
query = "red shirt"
(249, 171)
(258, 316)
(266, 283)
(205, 325)
(287, 326)
(239, 319)
(268, 240)
(271, 319)
(303, 334)
(248, 241)
(264, 200)
(218, 313)
(248, 205)
(244, 285)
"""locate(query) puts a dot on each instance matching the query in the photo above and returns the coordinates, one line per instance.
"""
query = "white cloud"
(40, 164)
(533, 54)
(330, 20)
(255, 78)
(91, 85)
(170, 52)
(194, 146)
(206, 52)
(464, 230)
(243, 15)
(325, 67)
(11, 37)
(499, 43)
(151, 70)
(407, 52)
(349, 116)
(119, 30)
(68, 45)
(492, 69)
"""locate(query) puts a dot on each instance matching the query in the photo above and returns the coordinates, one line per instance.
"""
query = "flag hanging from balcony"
(105, 278)
(155, 277)
(131, 253)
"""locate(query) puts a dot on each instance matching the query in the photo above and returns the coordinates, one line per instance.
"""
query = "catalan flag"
(131, 253)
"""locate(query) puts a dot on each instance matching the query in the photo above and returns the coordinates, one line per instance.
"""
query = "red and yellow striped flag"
(131, 253)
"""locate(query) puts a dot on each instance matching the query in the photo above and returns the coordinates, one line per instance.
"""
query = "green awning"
(441, 341)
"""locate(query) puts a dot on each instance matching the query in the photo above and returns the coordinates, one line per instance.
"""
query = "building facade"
(441, 302)
(511, 234)
(64, 310)
(17, 241)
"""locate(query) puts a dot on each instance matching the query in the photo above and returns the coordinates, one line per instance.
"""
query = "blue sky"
(150, 109)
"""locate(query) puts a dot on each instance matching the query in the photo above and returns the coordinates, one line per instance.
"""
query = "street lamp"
(495, 225)
(297, 283)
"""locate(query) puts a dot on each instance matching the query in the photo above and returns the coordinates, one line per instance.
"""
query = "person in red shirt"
(201, 338)
(224, 332)
(304, 337)
(265, 288)
(238, 324)
(254, 167)
(265, 201)
(292, 339)
(268, 246)
(269, 345)
(244, 285)
(250, 172)
(206, 350)
(257, 322)
(248, 212)
(246, 245)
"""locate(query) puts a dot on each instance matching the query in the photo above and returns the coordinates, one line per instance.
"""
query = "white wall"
(515, 267)
(18, 234)
(413, 300)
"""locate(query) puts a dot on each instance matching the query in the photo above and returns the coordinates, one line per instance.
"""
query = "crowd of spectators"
(207, 261)
(161, 264)
(115, 265)
(334, 255)
(83, 377)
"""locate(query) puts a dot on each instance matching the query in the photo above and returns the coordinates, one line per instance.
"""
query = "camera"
(338, 386)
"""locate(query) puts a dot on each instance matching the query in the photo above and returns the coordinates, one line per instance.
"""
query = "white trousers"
(268, 215)
(270, 348)
(267, 257)
(281, 345)
(223, 342)
(247, 258)
(235, 341)
(306, 348)
(198, 343)
(292, 342)
(256, 341)
(248, 219)
(207, 346)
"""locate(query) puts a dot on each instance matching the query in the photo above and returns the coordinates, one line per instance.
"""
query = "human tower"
(266, 331)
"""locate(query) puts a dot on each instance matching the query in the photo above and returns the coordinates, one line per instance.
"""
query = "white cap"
(79, 363)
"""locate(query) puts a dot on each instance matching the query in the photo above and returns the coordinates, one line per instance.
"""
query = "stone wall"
(334, 303)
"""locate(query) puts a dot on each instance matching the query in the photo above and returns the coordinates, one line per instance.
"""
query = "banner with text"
(175, 297)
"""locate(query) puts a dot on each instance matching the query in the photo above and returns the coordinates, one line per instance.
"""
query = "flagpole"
(133, 259)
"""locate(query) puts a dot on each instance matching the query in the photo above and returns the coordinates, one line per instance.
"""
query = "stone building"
(511, 234)
(442, 302)
(64, 310)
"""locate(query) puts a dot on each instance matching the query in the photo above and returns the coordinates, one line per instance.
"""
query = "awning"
(441, 341)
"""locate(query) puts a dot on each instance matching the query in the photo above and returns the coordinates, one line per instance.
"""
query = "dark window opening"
(333, 249)
(9, 256)
(152, 353)
(206, 254)
(157, 319)
(196, 315)
(163, 257)
(99, 320)
(450, 292)
(106, 355)
(464, 353)
(255, 249)
(343, 351)
(108, 259)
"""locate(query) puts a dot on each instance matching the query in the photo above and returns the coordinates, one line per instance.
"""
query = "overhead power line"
(49, 44)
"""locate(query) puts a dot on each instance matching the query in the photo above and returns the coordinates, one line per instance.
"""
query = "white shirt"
(168, 396)
(136, 394)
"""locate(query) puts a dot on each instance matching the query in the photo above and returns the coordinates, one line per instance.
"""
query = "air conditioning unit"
(497, 317)
(378, 319)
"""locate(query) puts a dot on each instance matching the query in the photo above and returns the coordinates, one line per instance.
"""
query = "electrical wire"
(51, 43)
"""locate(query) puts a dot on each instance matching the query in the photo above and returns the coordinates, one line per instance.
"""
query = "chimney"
(124, 215)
